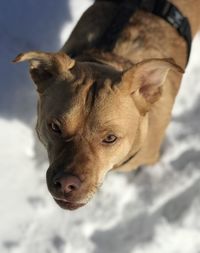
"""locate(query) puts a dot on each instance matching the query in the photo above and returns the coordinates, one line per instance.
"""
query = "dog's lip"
(65, 204)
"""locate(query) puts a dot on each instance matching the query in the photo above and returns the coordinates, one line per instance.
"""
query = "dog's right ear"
(45, 68)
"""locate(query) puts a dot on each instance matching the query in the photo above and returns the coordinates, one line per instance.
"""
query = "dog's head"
(91, 118)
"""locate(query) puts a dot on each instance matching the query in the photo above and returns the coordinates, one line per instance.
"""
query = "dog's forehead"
(97, 104)
(110, 107)
(86, 78)
(91, 92)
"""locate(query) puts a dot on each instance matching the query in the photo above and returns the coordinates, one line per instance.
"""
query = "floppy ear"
(145, 79)
(47, 67)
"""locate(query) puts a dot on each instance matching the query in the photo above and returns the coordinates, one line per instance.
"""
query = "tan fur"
(130, 95)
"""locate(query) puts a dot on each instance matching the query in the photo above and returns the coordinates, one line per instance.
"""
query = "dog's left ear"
(45, 68)
(145, 79)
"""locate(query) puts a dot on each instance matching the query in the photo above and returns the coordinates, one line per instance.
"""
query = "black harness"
(161, 8)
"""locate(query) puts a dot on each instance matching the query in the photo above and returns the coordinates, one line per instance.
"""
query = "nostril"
(71, 184)
(67, 183)
(72, 187)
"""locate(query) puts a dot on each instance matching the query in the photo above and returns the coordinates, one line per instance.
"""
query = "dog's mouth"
(68, 205)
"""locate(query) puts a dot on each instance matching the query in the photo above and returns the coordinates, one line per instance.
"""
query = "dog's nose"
(67, 183)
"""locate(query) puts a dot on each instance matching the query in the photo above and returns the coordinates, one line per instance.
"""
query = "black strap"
(161, 8)
(173, 16)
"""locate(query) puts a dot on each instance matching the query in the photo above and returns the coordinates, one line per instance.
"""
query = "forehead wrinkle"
(97, 96)
(73, 118)
(104, 79)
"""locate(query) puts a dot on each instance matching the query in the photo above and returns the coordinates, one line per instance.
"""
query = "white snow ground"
(158, 209)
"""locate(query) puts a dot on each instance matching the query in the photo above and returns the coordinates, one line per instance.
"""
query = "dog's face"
(91, 118)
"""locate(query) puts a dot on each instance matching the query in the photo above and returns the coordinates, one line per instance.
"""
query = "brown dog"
(111, 114)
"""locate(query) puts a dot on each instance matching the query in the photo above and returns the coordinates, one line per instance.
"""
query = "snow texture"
(154, 211)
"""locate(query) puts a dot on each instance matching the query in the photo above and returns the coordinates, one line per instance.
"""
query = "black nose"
(67, 183)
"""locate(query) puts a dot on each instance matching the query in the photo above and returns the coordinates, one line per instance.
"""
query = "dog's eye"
(111, 138)
(55, 127)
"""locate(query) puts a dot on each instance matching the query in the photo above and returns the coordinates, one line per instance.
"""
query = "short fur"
(127, 93)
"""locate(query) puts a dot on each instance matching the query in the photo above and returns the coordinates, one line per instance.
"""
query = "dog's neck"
(148, 43)
(159, 40)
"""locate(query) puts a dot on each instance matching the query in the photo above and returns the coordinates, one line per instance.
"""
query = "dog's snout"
(67, 183)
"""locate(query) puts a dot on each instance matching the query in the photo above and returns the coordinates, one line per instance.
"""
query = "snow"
(154, 211)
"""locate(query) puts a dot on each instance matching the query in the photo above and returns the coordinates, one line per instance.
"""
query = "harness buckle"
(174, 17)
